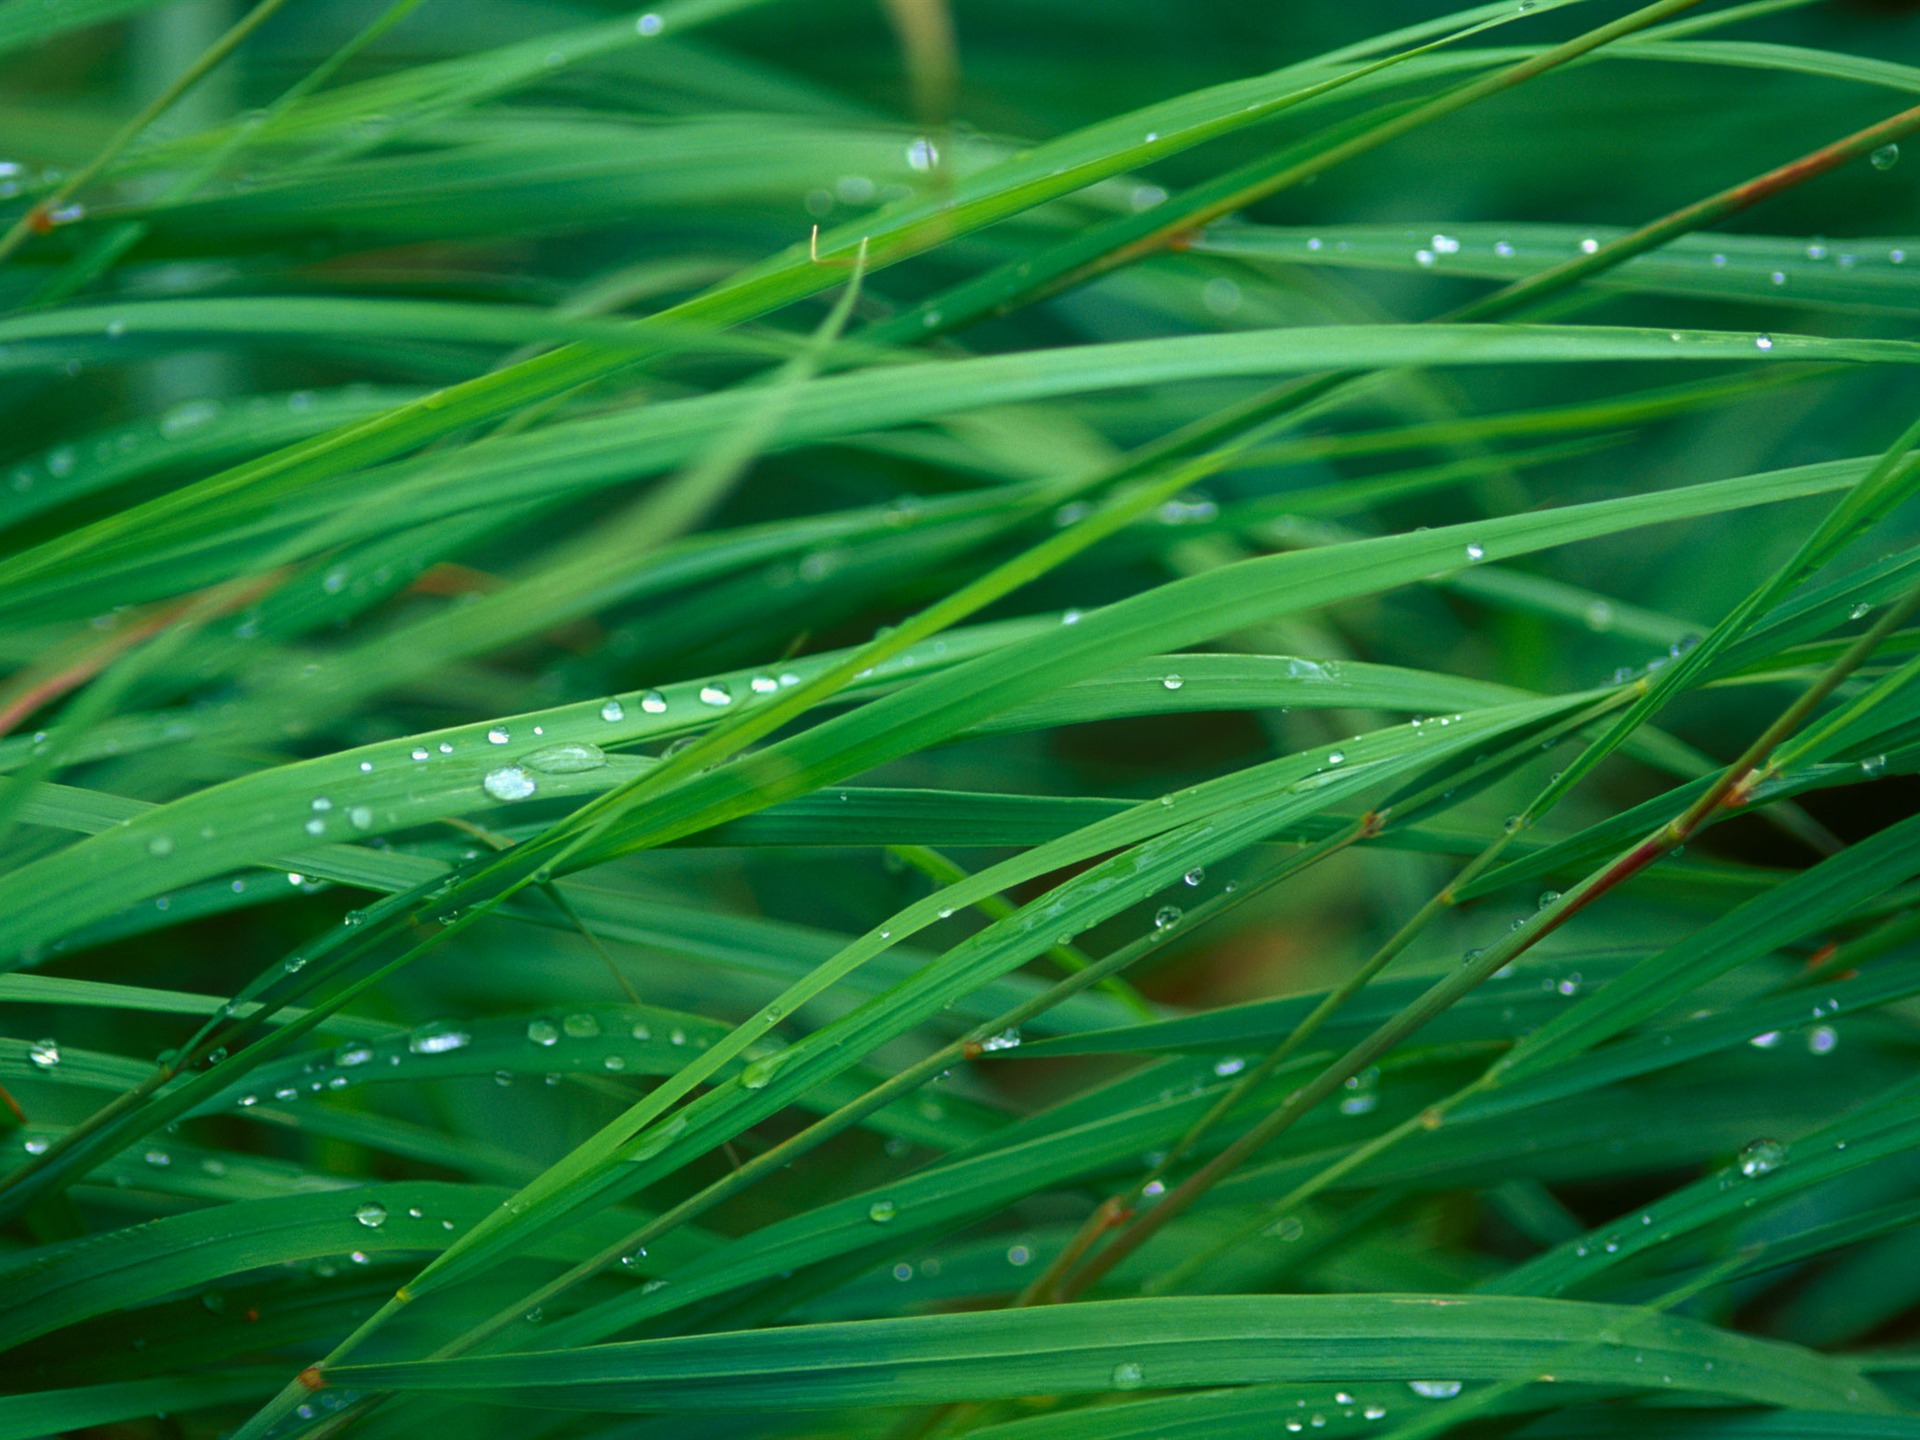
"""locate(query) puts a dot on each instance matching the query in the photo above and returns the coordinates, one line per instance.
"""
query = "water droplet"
(420, 752)
(509, 782)
(543, 1032)
(1128, 1375)
(612, 712)
(1760, 1157)
(45, 1054)
(160, 845)
(756, 1074)
(881, 1212)
(1232, 1065)
(1476, 551)
(1166, 917)
(1766, 1040)
(1763, 342)
(1194, 876)
(922, 154)
(1336, 757)
(372, 1214)
(715, 693)
(352, 1053)
(435, 1038)
(581, 1026)
(1172, 682)
(1821, 1039)
(1873, 764)
(1589, 246)
(499, 735)
(1375, 1412)
(360, 817)
(648, 24)
(569, 757)
(1008, 1039)
(763, 684)
(1434, 1389)
(1885, 158)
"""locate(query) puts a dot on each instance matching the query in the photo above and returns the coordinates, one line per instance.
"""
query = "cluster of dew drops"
(520, 780)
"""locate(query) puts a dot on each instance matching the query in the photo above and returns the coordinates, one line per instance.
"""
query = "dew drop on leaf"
(1760, 1157)
(435, 1038)
(566, 758)
(509, 782)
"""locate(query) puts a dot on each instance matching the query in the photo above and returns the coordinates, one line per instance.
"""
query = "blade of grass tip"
(943, 871)
(94, 261)
(42, 217)
(1729, 791)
